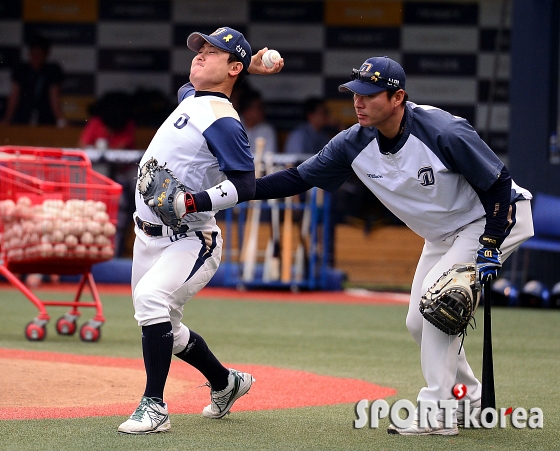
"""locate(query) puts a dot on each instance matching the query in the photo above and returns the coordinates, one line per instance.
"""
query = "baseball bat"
(301, 258)
(488, 391)
(286, 275)
(251, 236)
(271, 267)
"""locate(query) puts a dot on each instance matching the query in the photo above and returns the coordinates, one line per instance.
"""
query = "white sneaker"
(221, 401)
(461, 415)
(149, 416)
(415, 429)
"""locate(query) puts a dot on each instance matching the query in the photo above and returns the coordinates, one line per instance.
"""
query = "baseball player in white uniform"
(433, 171)
(206, 147)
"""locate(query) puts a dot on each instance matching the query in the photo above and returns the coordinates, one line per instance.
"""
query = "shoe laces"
(141, 409)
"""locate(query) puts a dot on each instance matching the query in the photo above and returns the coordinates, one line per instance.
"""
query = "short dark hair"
(312, 104)
(247, 99)
(391, 93)
(41, 42)
(241, 77)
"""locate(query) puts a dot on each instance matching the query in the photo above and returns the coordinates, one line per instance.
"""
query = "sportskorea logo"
(474, 417)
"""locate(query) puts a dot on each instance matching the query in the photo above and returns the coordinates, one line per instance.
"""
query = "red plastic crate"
(57, 215)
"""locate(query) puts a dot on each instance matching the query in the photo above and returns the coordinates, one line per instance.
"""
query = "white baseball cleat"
(473, 418)
(415, 429)
(150, 416)
(221, 401)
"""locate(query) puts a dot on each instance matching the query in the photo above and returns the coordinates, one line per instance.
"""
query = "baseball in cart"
(57, 216)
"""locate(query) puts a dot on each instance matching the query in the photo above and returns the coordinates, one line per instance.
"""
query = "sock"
(199, 355)
(157, 348)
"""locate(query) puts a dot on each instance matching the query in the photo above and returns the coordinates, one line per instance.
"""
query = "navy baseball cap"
(224, 38)
(377, 74)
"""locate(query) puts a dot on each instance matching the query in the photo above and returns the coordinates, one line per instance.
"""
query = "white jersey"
(434, 178)
(198, 141)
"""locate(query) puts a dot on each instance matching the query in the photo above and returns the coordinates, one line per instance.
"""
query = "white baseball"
(78, 226)
(93, 252)
(106, 252)
(86, 238)
(71, 241)
(24, 201)
(57, 236)
(66, 227)
(60, 250)
(94, 227)
(101, 240)
(45, 226)
(101, 216)
(270, 57)
(45, 249)
(100, 206)
(80, 250)
(109, 229)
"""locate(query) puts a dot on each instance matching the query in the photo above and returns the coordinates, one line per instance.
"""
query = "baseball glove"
(159, 187)
(450, 304)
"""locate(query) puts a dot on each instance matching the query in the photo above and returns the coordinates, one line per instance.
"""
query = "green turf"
(364, 342)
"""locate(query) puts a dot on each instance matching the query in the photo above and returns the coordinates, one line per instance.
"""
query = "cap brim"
(361, 88)
(196, 40)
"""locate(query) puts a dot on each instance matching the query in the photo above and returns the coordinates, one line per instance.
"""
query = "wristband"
(223, 195)
(190, 206)
(490, 241)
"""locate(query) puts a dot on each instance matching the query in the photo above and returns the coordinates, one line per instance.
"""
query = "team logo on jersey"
(426, 176)
(182, 121)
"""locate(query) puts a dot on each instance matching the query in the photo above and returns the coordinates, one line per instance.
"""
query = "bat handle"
(488, 390)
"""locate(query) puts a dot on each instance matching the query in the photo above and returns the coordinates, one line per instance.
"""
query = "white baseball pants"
(167, 272)
(442, 364)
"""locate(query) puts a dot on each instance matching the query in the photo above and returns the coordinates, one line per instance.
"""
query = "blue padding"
(119, 270)
(541, 244)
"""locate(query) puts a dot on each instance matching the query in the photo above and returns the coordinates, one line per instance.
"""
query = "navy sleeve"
(228, 142)
(281, 184)
(185, 91)
(460, 147)
(496, 201)
(330, 167)
(244, 182)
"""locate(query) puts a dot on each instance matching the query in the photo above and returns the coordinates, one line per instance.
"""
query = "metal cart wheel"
(35, 332)
(89, 333)
(65, 327)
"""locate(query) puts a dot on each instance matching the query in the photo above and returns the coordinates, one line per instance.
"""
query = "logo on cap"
(227, 38)
(218, 31)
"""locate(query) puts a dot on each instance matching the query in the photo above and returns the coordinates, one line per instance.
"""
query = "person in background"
(111, 125)
(251, 112)
(35, 92)
(312, 135)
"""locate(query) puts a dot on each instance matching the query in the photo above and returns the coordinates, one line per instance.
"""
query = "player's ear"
(235, 68)
(398, 98)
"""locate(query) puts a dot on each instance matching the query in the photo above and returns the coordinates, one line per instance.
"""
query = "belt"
(157, 229)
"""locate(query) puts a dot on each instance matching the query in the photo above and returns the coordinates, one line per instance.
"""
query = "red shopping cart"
(57, 216)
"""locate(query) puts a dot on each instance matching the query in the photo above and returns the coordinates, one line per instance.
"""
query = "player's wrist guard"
(489, 258)
(490, 241)
(190, 205)
(184, 204)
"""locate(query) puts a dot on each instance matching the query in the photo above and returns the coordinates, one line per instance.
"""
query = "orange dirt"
(55, 385)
